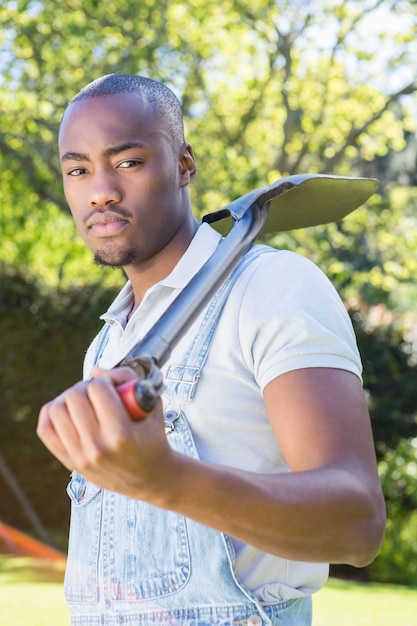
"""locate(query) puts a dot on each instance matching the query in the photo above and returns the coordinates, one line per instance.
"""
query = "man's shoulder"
(266, 260)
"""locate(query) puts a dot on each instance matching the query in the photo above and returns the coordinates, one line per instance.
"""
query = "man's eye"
(78, 171)
(129, 163)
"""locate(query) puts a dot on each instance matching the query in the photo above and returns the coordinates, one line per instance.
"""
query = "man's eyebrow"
(113, 150)
(74, 156)
(123, 147)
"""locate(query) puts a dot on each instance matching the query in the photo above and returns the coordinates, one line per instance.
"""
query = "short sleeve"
(292, 317)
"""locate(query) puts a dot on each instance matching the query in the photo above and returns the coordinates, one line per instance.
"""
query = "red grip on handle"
(128, 397)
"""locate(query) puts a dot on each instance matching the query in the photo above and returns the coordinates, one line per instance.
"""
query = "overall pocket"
(129, 549)
(149, 554)
(81, 576)
(154, 560)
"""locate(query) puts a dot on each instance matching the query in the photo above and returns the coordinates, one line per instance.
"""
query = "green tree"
(269, 88)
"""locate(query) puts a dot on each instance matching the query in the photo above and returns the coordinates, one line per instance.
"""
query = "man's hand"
(89, 430)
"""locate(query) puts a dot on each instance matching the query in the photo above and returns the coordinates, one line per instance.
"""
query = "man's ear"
(187, 164)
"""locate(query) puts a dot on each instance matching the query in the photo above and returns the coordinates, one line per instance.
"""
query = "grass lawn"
(31, 595)
(343, 603)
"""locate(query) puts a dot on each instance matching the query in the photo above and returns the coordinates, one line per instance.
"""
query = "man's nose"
(104, 190)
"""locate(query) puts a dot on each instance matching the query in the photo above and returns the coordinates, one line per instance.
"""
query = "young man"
(257, 468)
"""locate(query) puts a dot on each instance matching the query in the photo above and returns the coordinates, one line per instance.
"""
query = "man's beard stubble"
(115, 258)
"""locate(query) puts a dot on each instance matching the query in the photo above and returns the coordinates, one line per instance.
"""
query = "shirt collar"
(202, 246)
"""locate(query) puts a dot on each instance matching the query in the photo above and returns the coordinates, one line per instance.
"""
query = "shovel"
(293, 202)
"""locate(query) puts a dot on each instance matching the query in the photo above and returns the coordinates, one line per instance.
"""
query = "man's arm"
(329, 508)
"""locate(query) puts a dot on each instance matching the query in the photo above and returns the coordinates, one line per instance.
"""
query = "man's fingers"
(118, 375)
(49, 436)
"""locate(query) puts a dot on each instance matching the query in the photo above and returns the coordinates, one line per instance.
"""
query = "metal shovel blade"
(319, 199)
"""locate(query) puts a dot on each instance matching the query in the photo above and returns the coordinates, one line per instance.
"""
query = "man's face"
(122, 178)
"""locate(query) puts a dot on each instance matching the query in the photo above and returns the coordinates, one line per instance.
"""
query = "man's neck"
(148, 273)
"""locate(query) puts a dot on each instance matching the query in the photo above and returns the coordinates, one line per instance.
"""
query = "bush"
(389, 379)
(397, 561)
(44, 336)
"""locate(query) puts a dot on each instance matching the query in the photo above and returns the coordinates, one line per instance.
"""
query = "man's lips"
(106, 224)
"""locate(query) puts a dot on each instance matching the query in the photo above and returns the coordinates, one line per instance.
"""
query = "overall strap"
(102, 340)
(181, 379)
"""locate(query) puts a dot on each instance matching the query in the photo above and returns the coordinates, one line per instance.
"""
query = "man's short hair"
(164, 102)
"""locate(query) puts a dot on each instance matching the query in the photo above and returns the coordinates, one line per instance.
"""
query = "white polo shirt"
(282, 314)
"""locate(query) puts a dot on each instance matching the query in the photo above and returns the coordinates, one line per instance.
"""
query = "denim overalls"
(132, 563)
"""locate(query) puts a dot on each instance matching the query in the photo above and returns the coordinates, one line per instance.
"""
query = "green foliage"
(264, 93)
(389, 380)
(46, 244)
(398, 474)
(44, 334)
(397, 561)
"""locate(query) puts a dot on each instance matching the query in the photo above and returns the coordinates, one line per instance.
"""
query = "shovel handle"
(128, 393)
(141, 394)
